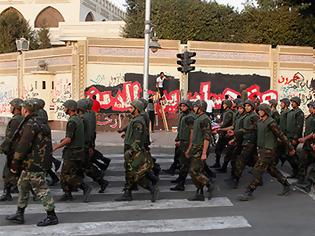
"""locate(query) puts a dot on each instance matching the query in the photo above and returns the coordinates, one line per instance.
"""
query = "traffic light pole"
(183, 85)
(146, 47)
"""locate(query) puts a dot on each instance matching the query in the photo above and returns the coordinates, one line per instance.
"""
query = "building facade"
(48, 13)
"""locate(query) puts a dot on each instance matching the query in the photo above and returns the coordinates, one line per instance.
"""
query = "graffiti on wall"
(62, 92)
(117, 99)
(297, 85)
(8, 91)
(109, 81)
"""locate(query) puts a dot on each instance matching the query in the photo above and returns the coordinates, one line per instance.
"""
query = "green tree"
(13, 27)
(43, 38)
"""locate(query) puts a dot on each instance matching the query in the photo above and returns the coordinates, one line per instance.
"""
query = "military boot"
(86, 192)
(18, 217)
(170, 171)
(286, 190)
(210, 189)
(178, 187)
(103, 183)
(126, 197)
(198, 196)
(248, 195)
(154, 190)
(6, 195)
(51, 219)
(67, 196)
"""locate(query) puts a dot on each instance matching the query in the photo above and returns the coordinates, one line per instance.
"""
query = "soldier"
(8, 147)
(235, 145)
(281, 149)
(267, 134)
(227, 121)
(295, 124)
(30, 157)
(198, 151)
(89, 169)
(137, 160)
(183, 137)
(274, 112)
(73, 154)
(42, 114)
(249, 137)
(307, 158)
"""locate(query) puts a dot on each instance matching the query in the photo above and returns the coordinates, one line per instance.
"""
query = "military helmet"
(138, 105)
(311, 104)
(89, 103)
(237, 101)
(145, 103)
(82, 104)
(201, 104)
(71, 104)
(273, 102)
(296, 99)
(240, 104)
(37, 103)
(250, 102)
(228, 103)
(265, 108)
(41, 103)
(185, 102)
(30, 104)
(286, 101)
(16, 103)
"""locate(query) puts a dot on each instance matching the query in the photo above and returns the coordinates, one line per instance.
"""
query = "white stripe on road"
(122, 178)
(122, 206)
(118, 190)
(128, 227)
(117, 155)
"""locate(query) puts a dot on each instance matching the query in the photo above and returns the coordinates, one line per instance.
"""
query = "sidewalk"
(160, 139)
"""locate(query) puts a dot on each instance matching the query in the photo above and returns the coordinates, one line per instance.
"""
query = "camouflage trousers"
(71, 175)
(184, 162)
(306, 159)
(266, 162)
(9, 179)
(91, 170)
(197, 167)
(246, 157)
(310, 170)
(137, 165)
(34, 181)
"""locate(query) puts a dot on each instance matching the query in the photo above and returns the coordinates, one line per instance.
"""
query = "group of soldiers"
(251, 134)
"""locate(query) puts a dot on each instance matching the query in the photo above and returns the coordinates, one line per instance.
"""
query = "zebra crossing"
(104, 205)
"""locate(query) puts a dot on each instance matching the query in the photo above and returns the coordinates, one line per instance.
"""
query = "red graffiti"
(285, 80)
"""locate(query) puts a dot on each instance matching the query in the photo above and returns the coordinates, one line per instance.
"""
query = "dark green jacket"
(249, 129)
(185, 127)
(295, 124)
(283, 120)
(201, 130)
(75, 131)
(135, 135)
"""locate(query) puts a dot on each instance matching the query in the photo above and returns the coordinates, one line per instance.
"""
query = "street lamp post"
(150, 42)
(21, 45)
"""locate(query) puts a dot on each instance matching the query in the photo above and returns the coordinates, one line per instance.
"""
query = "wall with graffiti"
(297, 83)
(8, 91)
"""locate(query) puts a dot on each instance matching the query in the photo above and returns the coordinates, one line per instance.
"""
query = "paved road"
(267, 214)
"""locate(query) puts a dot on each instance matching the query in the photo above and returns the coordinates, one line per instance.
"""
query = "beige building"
(112, 70)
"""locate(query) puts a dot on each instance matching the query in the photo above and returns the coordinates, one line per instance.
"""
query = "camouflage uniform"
(30, 158)
(183, 135)
(227, 121)
(295, 124)
(201, 132)
(268, 133)
(249, 138)
(274, 112)
(138, 161)
(8, 147)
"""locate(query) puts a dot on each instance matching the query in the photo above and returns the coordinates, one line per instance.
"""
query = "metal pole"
(146, 47)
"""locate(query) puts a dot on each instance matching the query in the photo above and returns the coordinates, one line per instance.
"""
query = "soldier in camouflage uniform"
(30, 158)
(227, 121)
(73, 154)
(274, 112)
(8, 147)
(183, 137)
(295, 124)
(248, 134)
(137, 160)
(89, 169)
(267, 134)
(281, 149)
(307, 158)
(198, 151)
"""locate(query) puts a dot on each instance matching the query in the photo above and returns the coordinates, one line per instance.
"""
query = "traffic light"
(185, 61)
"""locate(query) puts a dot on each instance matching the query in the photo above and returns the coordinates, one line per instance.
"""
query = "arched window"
(48, 17)
(89, 17)
(12, 10)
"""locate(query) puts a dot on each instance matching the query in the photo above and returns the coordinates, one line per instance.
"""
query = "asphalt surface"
(266, 214)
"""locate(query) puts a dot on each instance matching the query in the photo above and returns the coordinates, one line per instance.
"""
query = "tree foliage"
(13, 27)
(285, 22)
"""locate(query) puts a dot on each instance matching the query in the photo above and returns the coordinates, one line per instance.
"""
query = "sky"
(235, 3)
